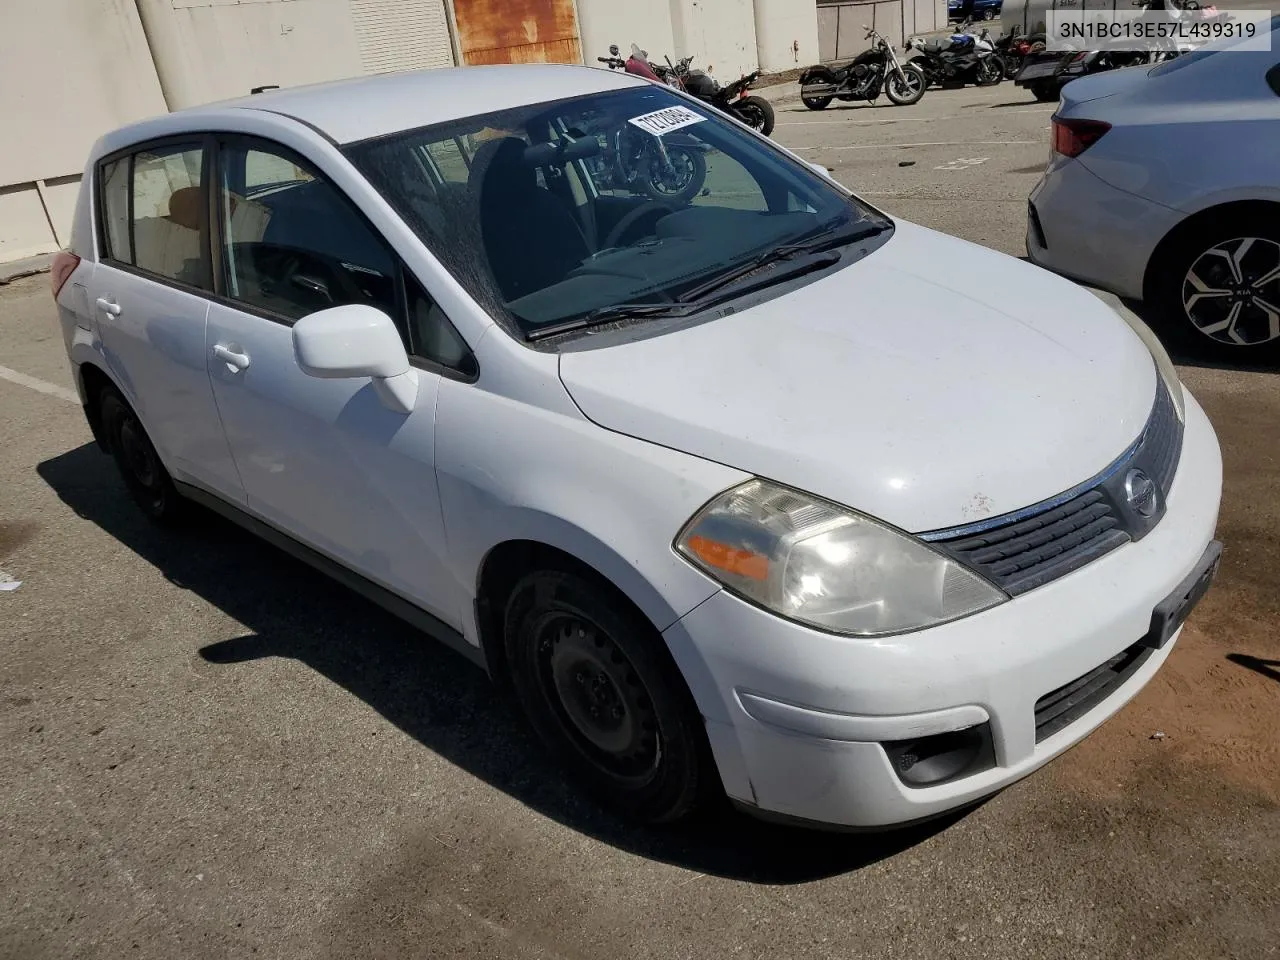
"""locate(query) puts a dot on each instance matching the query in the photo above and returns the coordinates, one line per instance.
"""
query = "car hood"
(932, 383)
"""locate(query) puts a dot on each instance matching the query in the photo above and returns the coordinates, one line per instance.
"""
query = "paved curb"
(17, 269)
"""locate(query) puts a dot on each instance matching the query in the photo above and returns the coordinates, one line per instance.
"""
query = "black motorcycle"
(864, 78)
(1045, 73)
(1014, 47)
(732, 98)
(959, 59)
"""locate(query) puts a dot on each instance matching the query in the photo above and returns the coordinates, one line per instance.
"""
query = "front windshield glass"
(557, 211)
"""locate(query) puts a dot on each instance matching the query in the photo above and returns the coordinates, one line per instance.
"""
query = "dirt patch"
(1217, 698)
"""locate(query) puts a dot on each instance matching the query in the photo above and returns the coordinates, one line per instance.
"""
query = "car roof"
(364, 107)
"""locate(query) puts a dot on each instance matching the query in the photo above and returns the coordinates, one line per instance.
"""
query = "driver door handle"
(235, 361)
(109, 306)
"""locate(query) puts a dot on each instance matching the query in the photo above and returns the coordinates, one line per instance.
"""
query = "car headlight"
(826, 566)
(1168, 373)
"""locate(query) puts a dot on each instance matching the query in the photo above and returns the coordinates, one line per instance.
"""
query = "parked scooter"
(958, 59)
(870, 72)
(732, 98)
(671, 168)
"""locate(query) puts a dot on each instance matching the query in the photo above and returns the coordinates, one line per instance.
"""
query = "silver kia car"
(1163, 187)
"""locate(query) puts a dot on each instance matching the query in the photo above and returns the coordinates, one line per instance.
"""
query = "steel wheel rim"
(908, 83)
(137, 454)
(597, 696)
(1231, 292)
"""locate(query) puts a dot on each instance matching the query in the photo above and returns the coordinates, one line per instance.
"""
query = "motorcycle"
(1044, 74)
(1014, 47)
(870, 72)
(958, 59)
(671, 168)
(732, 98)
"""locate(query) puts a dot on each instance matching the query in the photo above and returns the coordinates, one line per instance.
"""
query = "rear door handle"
(109, 306)
(235, 361)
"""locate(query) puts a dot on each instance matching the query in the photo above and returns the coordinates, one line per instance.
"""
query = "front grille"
(1022, 551)
(1062, 707)
(1021, 556)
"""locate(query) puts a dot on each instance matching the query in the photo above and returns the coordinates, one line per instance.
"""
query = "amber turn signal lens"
(744, 563)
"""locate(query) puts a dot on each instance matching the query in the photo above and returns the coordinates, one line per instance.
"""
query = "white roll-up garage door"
(402, 34)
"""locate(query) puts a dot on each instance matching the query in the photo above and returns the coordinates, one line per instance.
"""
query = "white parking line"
(930, 143)
(867, 123)
(43, 386)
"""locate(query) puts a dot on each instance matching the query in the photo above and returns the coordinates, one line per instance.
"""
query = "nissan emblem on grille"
(1140, 490)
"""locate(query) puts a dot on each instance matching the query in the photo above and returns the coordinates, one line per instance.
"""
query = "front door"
(148, 296)
(322, 460)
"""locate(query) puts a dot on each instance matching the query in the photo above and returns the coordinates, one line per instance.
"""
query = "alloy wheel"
(1231, 293)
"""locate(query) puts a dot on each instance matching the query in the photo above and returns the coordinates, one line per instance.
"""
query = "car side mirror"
(357, 341)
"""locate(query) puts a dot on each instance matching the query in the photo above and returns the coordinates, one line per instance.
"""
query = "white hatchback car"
(1163, 187)
(651, 420)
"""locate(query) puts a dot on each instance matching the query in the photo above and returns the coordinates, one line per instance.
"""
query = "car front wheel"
(604, 696)
(1217, 290)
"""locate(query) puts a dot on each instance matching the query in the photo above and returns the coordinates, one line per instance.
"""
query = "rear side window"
(153, 212)
(115, 214)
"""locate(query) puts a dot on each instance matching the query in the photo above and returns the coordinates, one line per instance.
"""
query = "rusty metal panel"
(517, 31)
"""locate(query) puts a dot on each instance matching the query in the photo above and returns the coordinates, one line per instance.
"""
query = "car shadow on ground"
(1268, 668)
(432, 694)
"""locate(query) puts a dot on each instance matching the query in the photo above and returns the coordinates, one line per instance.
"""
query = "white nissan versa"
(654, 422)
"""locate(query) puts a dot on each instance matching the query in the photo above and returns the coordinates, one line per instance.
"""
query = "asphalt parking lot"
(211, 751)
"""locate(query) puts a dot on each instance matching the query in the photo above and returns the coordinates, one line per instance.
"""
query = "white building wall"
(721, 34)
(70, 70)
(786, 34)
(646, 23)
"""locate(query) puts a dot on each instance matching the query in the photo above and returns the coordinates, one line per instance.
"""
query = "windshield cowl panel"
(554, 215)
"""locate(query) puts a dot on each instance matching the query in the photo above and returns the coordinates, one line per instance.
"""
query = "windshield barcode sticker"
(666, 120)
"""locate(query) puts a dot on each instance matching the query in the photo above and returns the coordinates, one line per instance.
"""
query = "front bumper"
(1080, 226)
(797, 718)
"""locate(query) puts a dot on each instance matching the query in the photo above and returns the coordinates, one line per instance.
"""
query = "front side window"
(575, 208)
(292, 243)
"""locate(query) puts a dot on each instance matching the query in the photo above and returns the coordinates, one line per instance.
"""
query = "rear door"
(148, 296)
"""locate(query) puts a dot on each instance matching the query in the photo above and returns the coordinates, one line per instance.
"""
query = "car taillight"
(64, 265)
(1073, 137)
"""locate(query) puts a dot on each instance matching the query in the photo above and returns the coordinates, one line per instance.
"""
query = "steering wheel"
(630, 219)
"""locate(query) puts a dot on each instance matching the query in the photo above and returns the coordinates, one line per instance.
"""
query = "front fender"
(540, 471)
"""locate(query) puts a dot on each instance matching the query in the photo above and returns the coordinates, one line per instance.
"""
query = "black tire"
(817, 75)
(1195, 324)
(144, 475)
(755, 112)
(690, 174)
(604, 696)
(1012, 65)
(921, 63)
(816, 103)
(989, 71)
(916, 84)
(1045, 92)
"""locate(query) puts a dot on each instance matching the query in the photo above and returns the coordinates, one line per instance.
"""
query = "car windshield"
(566, 210)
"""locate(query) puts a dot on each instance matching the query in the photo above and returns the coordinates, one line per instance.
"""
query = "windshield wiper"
(609, 314)
(819, 242)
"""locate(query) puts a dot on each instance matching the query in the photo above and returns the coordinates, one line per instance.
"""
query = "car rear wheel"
(1216, 289)
(604, 696)
(144, 475)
